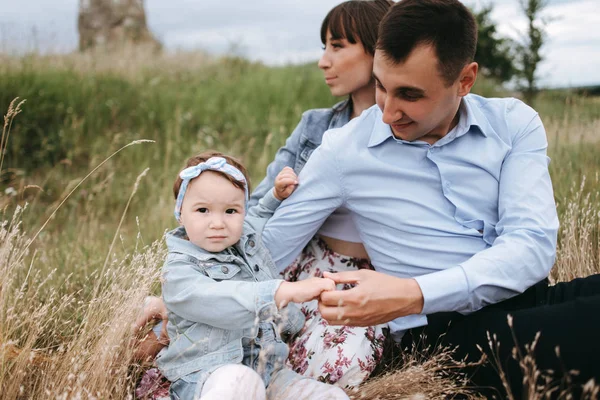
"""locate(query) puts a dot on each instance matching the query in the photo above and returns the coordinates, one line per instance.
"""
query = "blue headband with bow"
(212, 164)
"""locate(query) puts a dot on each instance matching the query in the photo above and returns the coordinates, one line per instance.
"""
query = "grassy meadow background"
(69, 291)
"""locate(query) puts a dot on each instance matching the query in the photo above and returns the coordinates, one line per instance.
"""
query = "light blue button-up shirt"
(472, 217)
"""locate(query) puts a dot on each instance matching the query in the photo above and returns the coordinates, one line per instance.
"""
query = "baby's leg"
(232, 382)
(288, 385)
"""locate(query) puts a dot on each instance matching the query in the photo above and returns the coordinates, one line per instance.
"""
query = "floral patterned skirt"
(341, 355)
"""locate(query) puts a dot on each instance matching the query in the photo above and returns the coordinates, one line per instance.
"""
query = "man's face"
(213, 212)
(414, 98)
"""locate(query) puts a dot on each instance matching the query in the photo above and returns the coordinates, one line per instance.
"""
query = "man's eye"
(202, 210)
(409, 97)
(379, 86)
(231, 211)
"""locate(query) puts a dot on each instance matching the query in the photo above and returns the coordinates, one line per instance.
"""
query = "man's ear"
(467, 78)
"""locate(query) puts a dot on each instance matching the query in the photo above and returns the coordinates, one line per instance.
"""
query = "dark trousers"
(567, 315)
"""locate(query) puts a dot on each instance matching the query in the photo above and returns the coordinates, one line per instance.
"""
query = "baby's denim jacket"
(232, 294)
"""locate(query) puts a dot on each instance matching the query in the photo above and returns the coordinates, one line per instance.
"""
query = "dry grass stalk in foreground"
(13, 111)
(55, 346)
(432, 376)
(578, 250)
(71, 345)
(538, 384)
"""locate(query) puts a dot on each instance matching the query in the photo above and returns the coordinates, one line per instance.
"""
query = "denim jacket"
(217, 300)
(302, 142)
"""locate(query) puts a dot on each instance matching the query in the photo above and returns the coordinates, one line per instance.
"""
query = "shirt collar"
(470, 117)
(381, 131)
(474, 117)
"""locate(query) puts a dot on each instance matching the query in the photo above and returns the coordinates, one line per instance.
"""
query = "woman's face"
(347, 67)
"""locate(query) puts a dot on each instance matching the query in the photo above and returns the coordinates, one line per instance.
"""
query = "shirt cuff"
(265, 298)
(269, 201)
(446, 290)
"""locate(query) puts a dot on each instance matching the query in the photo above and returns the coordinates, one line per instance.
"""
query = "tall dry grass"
(63, 345)
(68, 346)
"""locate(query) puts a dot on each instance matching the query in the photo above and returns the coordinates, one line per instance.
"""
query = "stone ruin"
(113, 24)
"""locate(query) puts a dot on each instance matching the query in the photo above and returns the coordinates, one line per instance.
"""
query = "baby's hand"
(302, 291)
(285, 184)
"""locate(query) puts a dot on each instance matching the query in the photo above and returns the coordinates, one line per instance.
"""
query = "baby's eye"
(202, 210)
(231, 211)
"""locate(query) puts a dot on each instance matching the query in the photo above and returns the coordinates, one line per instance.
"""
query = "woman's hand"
(285, 184)
(302, 291)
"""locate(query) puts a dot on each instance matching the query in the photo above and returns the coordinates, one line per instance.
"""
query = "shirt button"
(251, 243)
(447, 184)
(256, 268)
(224, 269)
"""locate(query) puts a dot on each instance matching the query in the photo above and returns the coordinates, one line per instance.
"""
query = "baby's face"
(213, 212)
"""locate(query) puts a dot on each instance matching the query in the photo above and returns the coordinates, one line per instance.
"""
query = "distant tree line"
(504, 59)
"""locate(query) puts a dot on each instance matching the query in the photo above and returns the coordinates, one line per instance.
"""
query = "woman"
(342, 355)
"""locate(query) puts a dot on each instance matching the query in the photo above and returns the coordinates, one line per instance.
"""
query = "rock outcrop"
(113, 24)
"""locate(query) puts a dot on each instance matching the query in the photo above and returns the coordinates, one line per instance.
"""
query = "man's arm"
(524, 251)
(299, 217)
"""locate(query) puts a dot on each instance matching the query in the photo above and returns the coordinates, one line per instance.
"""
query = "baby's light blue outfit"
(222, 311)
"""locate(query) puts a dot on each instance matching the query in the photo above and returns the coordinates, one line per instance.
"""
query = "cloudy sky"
(285, 31)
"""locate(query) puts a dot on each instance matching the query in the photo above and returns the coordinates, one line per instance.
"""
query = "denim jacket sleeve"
(190, 292)
(298, 147)
(285, 157)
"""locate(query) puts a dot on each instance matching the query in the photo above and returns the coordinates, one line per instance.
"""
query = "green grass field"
(74, 289)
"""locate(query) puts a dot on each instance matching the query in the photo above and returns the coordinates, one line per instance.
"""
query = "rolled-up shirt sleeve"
(525, 249)
(319, 193)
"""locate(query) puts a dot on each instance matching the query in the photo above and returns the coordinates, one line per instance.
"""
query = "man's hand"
(302, 291)
(377, 298)
(285, 184)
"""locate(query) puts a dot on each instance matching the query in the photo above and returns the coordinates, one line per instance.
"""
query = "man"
(453, 199)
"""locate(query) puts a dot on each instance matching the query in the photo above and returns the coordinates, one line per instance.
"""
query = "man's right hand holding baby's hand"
(302, 291)
(285, 184)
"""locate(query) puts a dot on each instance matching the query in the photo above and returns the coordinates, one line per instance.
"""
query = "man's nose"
(391, 111)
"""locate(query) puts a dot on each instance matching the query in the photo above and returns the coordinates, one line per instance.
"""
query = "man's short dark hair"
(447, 25)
